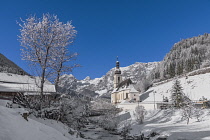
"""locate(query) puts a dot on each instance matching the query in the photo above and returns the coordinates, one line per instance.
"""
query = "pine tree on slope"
(177, 95)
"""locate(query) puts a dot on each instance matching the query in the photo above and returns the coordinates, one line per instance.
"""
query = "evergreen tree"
(177, 95)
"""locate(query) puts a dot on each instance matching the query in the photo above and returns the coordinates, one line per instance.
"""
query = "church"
(123, 90)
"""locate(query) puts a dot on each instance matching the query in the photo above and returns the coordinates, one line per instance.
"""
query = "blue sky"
(134, 30)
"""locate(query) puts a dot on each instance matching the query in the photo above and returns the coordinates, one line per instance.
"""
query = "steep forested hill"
(185, 56)
(8, 66)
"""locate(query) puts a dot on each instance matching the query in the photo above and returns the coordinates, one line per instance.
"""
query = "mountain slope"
(195, 87)
(8, 66)
(185, 56)
(104, 85)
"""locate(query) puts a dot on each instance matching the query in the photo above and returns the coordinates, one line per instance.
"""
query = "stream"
(94, 132)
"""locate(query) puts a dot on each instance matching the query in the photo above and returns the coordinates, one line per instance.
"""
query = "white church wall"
(131, 106)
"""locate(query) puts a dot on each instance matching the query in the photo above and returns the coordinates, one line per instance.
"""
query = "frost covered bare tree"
(140, 113)
(187, 112)
(74, 111)
(59, 65)
(126, 128)
(45, 42)
(108, 118)
(198, 112)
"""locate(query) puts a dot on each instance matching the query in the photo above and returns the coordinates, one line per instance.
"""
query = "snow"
(101, 92)
(15, 78)
(124, 101)
(95, 81)
(122, 88)
(193, 86)
(15, 87)
(15, 83)
(15, 127)
(135, 72)
(87, 78)
(166, 122)
(170, 122)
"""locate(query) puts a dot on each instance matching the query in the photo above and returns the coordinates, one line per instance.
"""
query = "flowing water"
(94, 132)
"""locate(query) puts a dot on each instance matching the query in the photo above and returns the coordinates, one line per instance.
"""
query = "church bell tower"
(117, 74)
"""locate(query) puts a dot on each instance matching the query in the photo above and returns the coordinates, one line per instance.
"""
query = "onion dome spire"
(117, 70)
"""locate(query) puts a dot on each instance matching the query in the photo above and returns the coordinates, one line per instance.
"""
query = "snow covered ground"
(171, 124)
(166, 122)
(193, 86)
(15, 127)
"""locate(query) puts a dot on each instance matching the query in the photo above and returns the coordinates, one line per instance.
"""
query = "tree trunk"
(188, 119)
(42, 84)
(57, 80)
(58, 75)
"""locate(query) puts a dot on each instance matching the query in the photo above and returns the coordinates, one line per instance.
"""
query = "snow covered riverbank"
(15, 127)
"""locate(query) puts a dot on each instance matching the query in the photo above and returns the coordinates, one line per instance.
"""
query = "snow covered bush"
(144, 84)
(139, 114)
(107, 117)
(99, 104)
(197, 112)
(126, 127)
(31, 102)
(109, 121)
(21, 100)
(187, 112)
(74, 111)
(37, 106)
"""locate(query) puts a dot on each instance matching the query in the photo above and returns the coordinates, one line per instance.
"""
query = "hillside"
(195, 87)
(185, 56)
(8, 66)
(172, 122)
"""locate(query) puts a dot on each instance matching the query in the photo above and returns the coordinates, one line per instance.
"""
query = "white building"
(123, 90)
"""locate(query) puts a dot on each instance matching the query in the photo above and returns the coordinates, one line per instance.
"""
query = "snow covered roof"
(15, 78)
(132, 88)
(22, 83)
(36, 93)
(126, 85)
(126, 82)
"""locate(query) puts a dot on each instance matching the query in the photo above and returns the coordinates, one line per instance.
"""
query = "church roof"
(126, 84)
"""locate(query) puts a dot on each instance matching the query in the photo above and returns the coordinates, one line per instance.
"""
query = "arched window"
(118, 79)
(126, 95)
